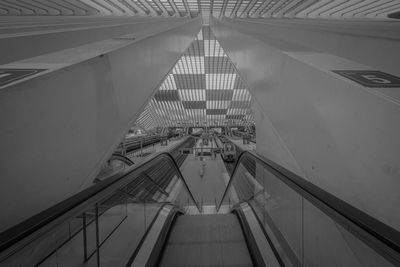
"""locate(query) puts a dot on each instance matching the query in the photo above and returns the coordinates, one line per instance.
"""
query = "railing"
(73, 231)
(307, 225)
(122, 158)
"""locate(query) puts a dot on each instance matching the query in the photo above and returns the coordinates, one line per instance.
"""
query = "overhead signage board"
(8, 76)
(370, 78)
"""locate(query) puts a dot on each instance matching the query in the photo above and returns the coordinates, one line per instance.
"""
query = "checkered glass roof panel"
(203, 88)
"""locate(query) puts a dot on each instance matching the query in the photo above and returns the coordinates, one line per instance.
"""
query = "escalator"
(212, 240)
(146, 215)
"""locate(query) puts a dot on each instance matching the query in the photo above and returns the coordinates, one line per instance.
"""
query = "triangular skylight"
(203, 89)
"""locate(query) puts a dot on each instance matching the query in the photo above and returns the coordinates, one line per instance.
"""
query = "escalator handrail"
(124, 159)
(352, 218)
(55, 215)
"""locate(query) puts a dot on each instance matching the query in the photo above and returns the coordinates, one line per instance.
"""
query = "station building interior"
(200, 133)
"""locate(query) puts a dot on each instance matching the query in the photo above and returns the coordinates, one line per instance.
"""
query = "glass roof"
(203, 89)
(259, 9)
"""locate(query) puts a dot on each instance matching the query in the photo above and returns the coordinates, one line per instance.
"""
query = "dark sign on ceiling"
(11, 75)
(370, 78)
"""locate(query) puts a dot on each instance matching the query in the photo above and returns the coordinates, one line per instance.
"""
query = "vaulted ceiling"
(334, 9)
(203, 88)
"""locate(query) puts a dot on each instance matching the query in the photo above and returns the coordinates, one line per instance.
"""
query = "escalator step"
(206, 240)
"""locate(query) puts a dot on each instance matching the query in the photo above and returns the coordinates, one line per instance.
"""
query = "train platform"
(138, 156)
(206, 177)
(141, 154)
(239, 142)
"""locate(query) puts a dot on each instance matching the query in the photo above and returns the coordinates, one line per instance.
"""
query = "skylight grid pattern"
(240, 104)
(242, 6)
(146, 120)
(231, 118)
(259, 9)
(200, 35)
(169, 83)
(155, 6)
(241, 94)
(189, 65)
(221, 94)
(218, 64)
(237, 111)
(203, 89)
(220, 81)
(255, 8)
(196, 49)
(179, 4)
(141, 6)
(194, 104)
(213, 49)
(167, 6)
(192, 95)
(239, 84)
(193, 6)
(190, 81)
(167, 95)
(215, 119)
(207, 35)
(217, 104)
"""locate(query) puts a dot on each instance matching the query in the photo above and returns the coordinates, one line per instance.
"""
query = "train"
(135, 143)
(228, 149)
(228, 152)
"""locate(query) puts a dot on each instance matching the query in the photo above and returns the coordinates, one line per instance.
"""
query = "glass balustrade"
(307, 230)
(101, 225)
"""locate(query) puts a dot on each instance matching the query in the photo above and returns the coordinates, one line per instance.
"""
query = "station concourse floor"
(239, 142)
(207, 189)
(208, 184)
(140, 155)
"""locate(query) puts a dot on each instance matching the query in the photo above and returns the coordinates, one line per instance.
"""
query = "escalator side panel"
(147, 254)
(206, 240)
(262, 251)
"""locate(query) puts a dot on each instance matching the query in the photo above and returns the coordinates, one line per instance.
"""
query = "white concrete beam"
(26, 41)
(371, 43)
(60, 126)
(333, 131)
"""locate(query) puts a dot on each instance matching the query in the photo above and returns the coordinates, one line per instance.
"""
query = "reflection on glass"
(307, 236)
(108, 230)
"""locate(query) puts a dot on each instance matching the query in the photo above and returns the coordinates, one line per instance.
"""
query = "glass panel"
(112, 167)
(71, 245)
(112, 213)
(283, 208)
(128, 225)
(322, 236)
(43, 248)
(33, 253)
(90, 231)
(116, 223)
(306, 235)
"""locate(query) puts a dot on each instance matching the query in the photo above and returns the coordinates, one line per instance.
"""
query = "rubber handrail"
(122, 158)
(79, 202)
(381, 237)
(175, 211)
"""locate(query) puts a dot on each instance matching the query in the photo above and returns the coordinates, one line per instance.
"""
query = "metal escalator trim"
(150, 246)
(122, 158)
(156, 185)
(285, 254)
(379, 236)
(22, 234)
(262, 250)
